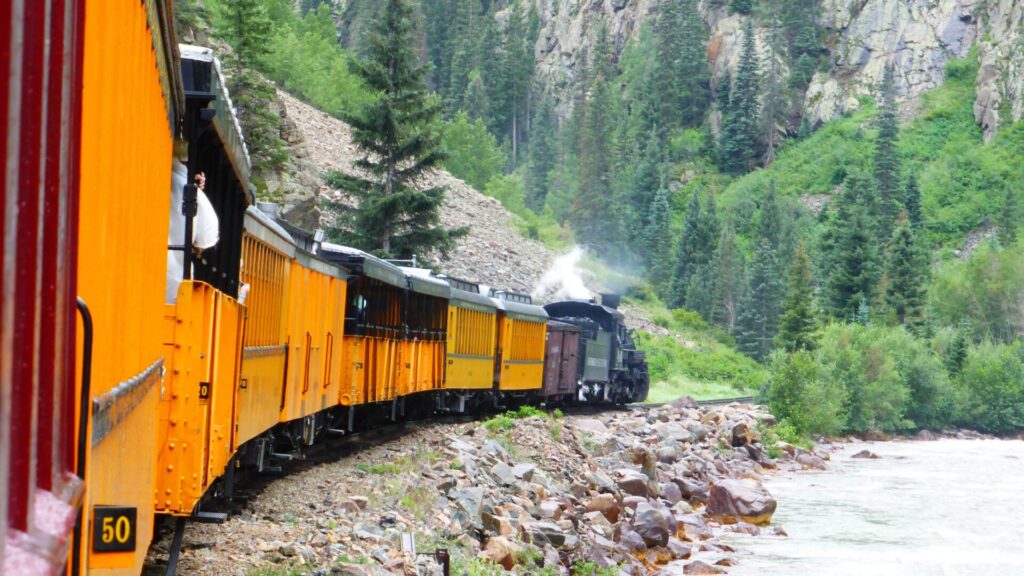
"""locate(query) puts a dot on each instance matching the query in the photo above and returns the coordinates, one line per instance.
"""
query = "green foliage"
(993, 383)
(700, 358)
(800, 394)
(678, 89)
(741, 144)
(471, 152)
(758, 319)
(246, 25)
(398, 137)
(696, 247)
(797, 323)
(850, 259)
(541, 156)
(729, 279)
(985, 291)
(591, 569)
(886, 159)
(741, 6)
(907, 277)
(658, 240)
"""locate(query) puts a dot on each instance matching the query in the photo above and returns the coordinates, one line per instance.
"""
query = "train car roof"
(529, 312)
(363, 264)
(202, 75)
(422, 282)
(557, 326)
(266, 229)
(603, 315)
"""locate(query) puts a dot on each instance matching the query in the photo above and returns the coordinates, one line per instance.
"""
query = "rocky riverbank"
(630, 491)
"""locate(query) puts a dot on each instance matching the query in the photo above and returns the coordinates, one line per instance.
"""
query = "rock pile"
(637, 489)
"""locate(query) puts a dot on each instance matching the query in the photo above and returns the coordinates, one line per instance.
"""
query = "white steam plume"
(563, 280)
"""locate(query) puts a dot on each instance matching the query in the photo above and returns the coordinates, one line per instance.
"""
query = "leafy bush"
(799, 395)
(985, 290)
(473, 153)
(993, 386)
(862, 378)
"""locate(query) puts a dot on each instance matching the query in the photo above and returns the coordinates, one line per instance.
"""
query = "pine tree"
(687, 253)
(475, 101)
(518, 68)
(887, 160)
(700, 292)
(658, 240)
(769, 222)
(956, 355)
(678, 93)
(729, 279)
(741, 147)
(741, 6)
(759, 312)
(774, 110)
(854, 273)
(541, 156)
(397, 135)
(912, 202)
(907, 273)
(1006, 222)
(797, 324)
(247, 27)
(465, 53)
(591, 220)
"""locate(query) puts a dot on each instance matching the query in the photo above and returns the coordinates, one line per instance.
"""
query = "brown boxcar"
(561, 361)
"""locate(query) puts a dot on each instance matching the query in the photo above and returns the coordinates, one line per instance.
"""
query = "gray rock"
(652, 524)
(671, 493)
(470, 500)
(543, 532)
(634, 484)
(746, 500)
(524, 471)
(503, 474)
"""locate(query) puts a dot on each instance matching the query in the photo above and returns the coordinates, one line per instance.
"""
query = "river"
(949, 507)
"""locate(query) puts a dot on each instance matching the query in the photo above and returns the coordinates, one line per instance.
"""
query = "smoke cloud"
(563, 280)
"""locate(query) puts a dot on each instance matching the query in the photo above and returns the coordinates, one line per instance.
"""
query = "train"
(162, 331)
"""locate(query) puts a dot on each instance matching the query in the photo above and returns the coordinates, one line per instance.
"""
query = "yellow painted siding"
(124, 212)
(522, 359)
(197, 410)
(470, 349)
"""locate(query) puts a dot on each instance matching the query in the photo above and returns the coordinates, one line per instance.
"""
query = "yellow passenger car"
(522, 329)
(472, 338)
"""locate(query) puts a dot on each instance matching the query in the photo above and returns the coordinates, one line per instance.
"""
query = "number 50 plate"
(113, 529)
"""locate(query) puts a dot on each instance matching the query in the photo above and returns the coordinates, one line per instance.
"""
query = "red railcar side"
(40, 88)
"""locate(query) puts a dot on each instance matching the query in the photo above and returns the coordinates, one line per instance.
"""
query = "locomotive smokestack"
(611, 300)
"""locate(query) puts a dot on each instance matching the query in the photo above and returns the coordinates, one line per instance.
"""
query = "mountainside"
(861, 37)
(493, 252)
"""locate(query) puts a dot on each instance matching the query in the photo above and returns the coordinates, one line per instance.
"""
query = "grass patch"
(378, 468)
(679, 386)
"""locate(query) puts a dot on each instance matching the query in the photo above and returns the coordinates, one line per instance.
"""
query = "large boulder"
(606, 505)
(501, 550)
(741, 500)
(652, 524)
(691, 489)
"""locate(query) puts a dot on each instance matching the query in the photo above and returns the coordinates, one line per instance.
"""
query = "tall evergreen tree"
(464, 45)
(515, 73)
(887, 160)
(758, 318)
(1006, 222)
(541, 156)
(741, 147)
(658, 240)
(247, 27)
(912, 202)
(593, 223)
(850, 264)
(769, 220)
(774, 109)
(907, 274)
(741, 6)
(397, 134)
(797, 324)
(688, 252)
(729, 279)
(679, 87)
(475, 100)
(700, 293)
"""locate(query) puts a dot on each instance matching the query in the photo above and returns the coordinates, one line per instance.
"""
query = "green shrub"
(473, 153)
(984, 290)
(799, 395)
(992, 383)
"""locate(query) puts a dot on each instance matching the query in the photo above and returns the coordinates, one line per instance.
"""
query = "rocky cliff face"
(916, 36)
